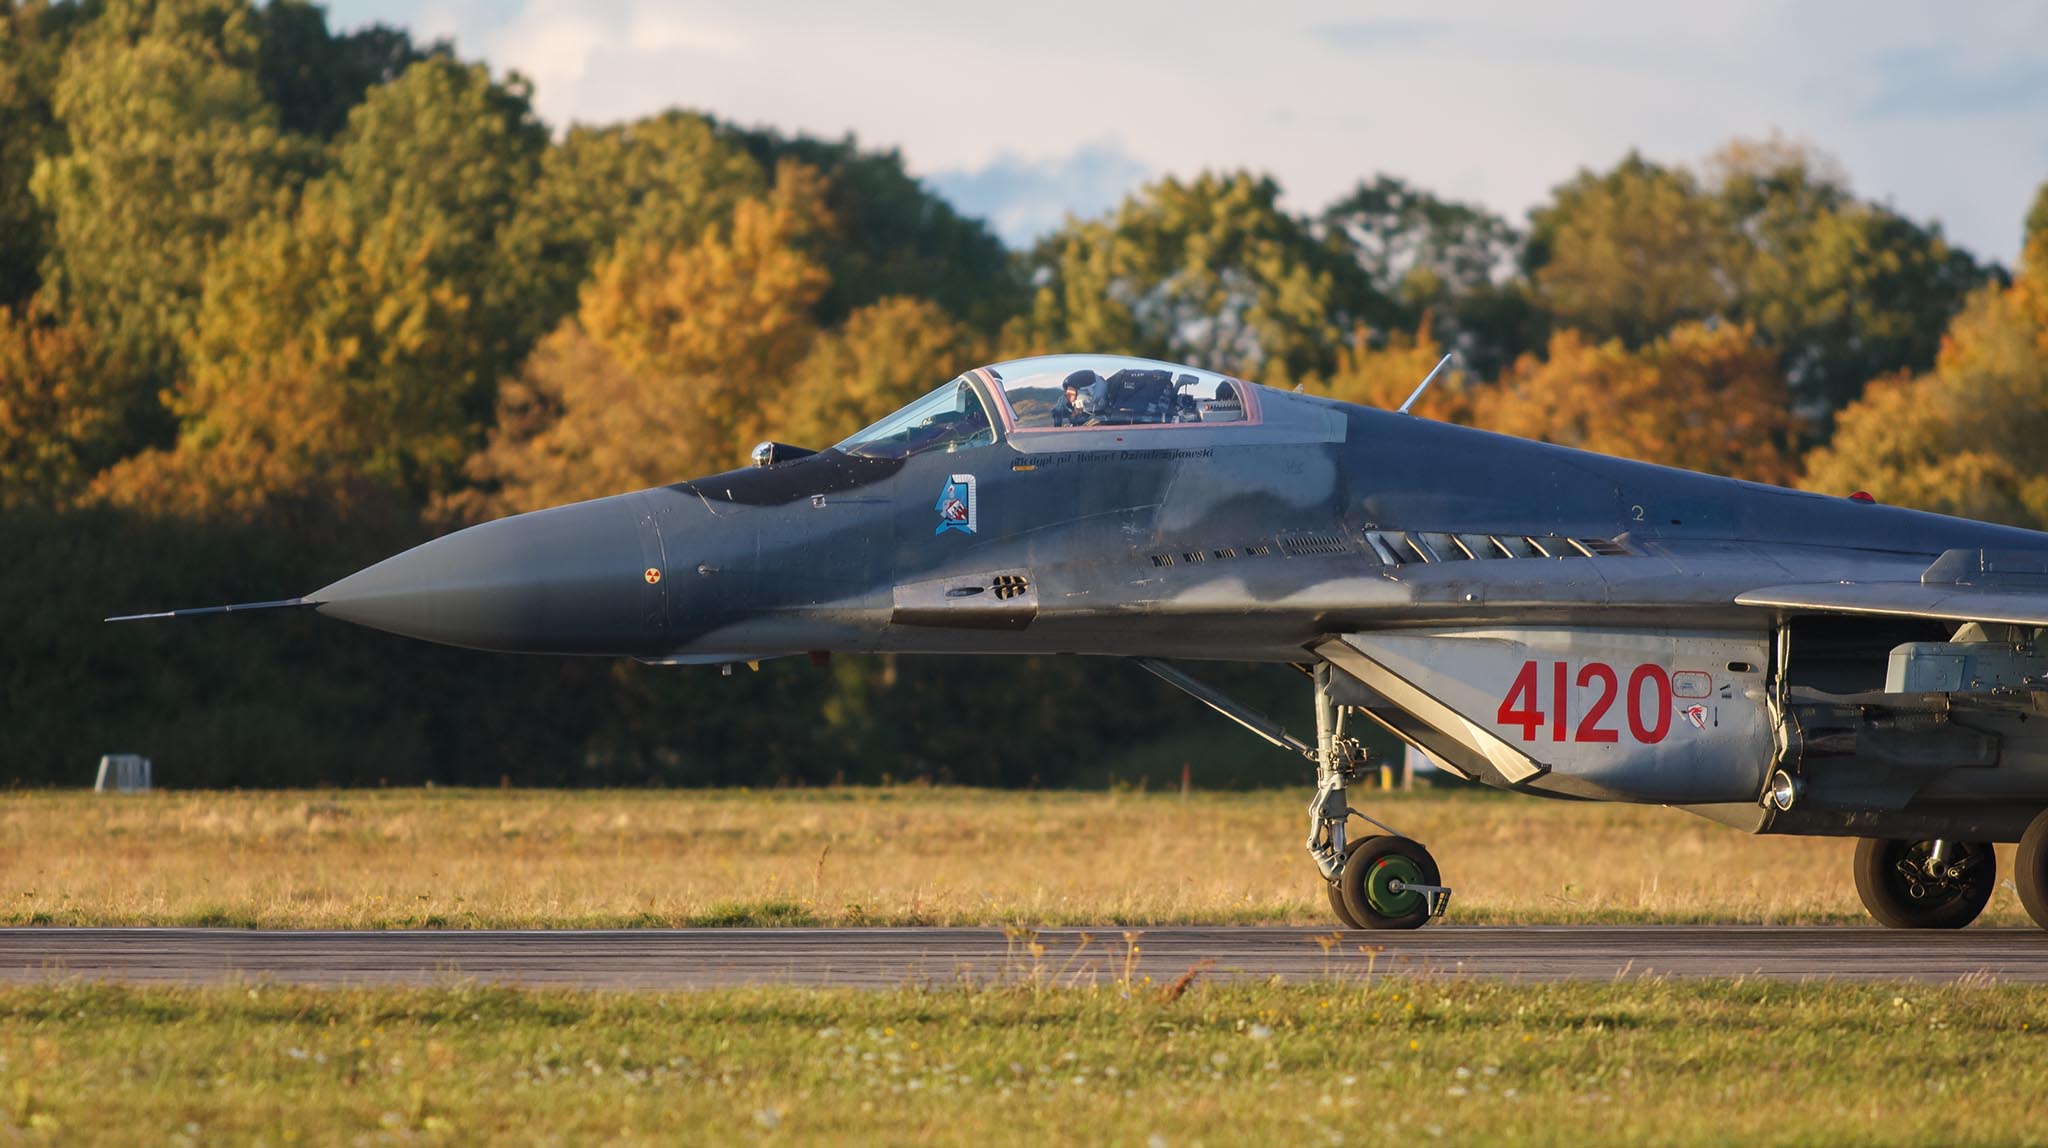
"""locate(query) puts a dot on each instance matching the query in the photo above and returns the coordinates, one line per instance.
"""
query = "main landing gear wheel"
(1389, 883)
(2030, 869)
(1925, 884)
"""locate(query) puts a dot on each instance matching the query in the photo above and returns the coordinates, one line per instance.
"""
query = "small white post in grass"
(123, 773)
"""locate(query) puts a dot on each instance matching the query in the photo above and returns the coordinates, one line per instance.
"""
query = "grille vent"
(1401, 548)
(1304, 545)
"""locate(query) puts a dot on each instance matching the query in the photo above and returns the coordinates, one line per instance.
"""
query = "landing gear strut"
(1378, 881)
(1924, 884)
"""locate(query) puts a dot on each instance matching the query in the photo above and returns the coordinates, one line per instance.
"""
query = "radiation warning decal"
(956, 505)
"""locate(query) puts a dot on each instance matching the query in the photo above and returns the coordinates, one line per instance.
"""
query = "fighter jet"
(1538, 619)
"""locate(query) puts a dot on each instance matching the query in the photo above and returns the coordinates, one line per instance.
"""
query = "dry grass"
(471, 859)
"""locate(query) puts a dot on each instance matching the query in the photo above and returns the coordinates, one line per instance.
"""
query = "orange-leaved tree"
(661, 372)
(883, 356)
(1970, 436)
(348, 341)
(1384, 376)
(1703, 397)
(60, 400)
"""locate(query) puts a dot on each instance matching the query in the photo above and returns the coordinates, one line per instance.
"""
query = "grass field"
(464, 859)
(1350, 1061)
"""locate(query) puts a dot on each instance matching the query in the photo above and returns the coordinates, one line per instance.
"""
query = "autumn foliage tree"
(1969, 437)
(885, 355)
(1628, 253)
(661, 181)
(60, 392)
(1209, 271)
(351, 340)
(171, 148)
(661, 373)
(257, 275)
(1707, 398)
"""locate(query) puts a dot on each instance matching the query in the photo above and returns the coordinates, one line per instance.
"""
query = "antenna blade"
(235, 608)
(1433, 373)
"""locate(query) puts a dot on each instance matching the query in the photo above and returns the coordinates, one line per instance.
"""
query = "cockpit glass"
(949, 419)
(1057, 392)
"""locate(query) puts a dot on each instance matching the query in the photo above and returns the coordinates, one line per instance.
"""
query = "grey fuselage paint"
(1247, 542)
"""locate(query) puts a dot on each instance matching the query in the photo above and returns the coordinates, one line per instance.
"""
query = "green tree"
(355, 339)
(1847, 290)
(172, 147)
(1438, 258)
(1627, 254)
(312, 76)
(663, 181)
(894, 236)
(1970, 436)
(1210, 272)
(33, 36)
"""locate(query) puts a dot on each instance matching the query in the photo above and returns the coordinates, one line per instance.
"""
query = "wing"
(1961, 586)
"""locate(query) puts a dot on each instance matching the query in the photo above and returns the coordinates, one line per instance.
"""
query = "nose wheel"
(1388, 883)
(1378, 881)
(1335, 887)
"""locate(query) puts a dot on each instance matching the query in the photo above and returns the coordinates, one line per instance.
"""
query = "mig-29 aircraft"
(1539, 619)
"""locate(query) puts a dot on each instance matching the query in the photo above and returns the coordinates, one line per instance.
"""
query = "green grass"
(1352, 1061)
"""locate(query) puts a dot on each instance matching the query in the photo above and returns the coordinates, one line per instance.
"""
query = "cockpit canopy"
(951, 418)
(1052, 393)
(1055, 392)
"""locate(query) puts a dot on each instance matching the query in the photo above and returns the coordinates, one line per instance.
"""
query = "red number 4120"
(1649, 717)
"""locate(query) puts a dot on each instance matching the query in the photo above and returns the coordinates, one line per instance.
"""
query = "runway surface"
(877, 958)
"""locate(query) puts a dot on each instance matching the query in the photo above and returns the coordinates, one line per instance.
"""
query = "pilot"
(1083, 401)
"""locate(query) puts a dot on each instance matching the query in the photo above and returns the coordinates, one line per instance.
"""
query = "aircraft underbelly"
(1636, 714)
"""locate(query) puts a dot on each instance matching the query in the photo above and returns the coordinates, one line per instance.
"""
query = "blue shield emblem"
(956, 505)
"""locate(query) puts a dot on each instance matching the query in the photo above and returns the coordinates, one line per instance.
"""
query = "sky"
(1024, 113)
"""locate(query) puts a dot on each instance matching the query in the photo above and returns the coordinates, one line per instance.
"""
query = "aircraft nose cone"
(574, 579)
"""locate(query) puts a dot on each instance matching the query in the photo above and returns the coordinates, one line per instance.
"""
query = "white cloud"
(1937, 110)
(1024, 198)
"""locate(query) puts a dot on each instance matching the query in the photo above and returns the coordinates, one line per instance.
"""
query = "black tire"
(1900, 895)
(2030, 869)
(1336, 888)
(1367, 872)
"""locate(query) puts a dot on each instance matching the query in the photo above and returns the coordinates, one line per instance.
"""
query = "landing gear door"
(1623, 714)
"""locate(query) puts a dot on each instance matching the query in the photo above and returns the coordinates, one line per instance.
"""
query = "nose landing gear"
(1379, 881)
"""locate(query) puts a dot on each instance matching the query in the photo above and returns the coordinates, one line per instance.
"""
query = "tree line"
(276, 300)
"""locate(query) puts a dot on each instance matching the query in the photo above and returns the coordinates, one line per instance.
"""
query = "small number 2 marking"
(1636, 513)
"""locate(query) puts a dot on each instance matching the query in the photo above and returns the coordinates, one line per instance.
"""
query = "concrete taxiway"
(877, 958)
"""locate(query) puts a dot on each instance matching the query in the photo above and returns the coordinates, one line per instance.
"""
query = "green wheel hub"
(1379, 892)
